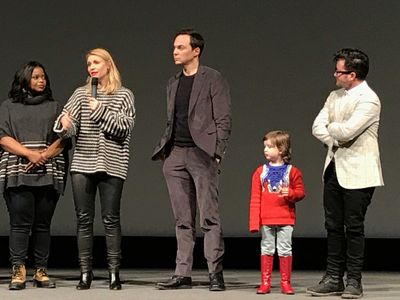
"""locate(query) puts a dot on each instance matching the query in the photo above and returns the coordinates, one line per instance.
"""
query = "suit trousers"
(192, 180)
(84, 187)
(31, 210)
(345, 211)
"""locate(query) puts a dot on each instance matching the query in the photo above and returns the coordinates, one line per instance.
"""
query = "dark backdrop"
(277, 57)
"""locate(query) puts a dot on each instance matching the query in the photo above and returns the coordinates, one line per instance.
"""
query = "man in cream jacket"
(348, 126)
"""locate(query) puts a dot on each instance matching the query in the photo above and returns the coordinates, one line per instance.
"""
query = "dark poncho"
(31, 124)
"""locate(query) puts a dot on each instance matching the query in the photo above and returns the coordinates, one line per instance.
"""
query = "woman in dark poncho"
(32, 170)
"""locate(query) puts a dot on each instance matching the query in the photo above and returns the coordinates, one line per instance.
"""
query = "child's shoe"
(266, 271)
(285, 267)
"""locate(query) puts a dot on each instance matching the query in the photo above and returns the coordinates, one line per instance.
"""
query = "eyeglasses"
(338, 73)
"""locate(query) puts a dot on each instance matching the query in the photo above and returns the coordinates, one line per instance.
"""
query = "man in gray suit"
(348, 126)
(192, 147)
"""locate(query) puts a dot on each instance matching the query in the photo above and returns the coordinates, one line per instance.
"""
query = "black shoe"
(176, 282)
(217, 282)
(353, 289)
(85, 281)
(115, 283)
(330, 285)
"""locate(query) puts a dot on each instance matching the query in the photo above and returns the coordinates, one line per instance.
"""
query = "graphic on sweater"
(275, 177)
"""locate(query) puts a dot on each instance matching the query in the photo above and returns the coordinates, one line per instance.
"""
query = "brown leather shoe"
(18, 278)
(42, 280)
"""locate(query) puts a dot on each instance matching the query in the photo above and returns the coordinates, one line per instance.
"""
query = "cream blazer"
(348, 125)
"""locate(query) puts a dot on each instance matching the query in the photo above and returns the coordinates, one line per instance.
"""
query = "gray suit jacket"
(209, 113)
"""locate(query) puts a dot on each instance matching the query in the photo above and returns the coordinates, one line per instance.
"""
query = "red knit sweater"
(269, 208)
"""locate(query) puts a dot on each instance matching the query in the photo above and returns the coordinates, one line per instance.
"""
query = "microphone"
(95, 82)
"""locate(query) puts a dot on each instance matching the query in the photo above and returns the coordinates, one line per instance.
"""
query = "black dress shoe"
(85, 281)
(217, 282)
(176, 282)
(115, 283)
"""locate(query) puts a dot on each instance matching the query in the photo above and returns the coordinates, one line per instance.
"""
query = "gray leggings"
(281, 236)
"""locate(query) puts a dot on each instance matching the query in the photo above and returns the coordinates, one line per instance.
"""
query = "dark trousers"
(31, 210)
(84, 187)
(345, 211)
(192, 180)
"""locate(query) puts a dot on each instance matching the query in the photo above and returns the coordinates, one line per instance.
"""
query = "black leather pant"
(84, 187)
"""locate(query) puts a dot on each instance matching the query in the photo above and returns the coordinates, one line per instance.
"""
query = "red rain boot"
(266, 271)
(285, 266)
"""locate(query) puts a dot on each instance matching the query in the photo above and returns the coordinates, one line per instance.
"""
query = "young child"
(276, 187)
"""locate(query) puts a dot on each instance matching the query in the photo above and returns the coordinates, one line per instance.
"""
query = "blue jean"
(84, 188)
(31, 210)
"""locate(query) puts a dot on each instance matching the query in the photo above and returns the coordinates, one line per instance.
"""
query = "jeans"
(84, 187)
(344, 222)
(31, 210)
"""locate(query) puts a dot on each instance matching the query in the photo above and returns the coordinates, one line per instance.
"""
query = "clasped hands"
(36, 158)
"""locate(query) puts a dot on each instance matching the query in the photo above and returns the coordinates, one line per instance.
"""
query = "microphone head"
(95, 81)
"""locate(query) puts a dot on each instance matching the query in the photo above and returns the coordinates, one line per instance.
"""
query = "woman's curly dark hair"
(20, 88)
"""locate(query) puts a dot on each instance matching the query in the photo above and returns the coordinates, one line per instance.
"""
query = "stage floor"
(241, 284)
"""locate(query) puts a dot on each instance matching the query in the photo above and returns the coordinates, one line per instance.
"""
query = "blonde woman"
(102, 129)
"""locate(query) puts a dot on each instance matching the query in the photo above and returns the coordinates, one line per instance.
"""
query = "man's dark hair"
(196, 40)
(20, 87)
(354, 60)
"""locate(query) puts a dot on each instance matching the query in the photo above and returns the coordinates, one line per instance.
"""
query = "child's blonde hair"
(280, 139)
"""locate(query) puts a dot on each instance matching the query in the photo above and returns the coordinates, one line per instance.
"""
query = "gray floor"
(241, 284)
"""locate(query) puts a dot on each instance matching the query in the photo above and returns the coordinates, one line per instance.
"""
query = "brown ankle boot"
(18, 278)
(42, 280)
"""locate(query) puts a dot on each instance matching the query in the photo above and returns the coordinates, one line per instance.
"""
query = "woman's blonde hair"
(114, 78)
(281, 139)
